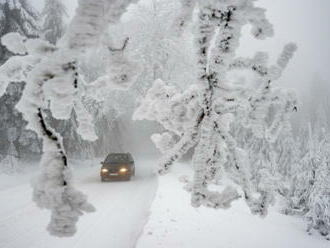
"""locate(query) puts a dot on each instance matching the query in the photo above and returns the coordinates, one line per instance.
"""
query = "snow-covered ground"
(122, 210)
(173, 223)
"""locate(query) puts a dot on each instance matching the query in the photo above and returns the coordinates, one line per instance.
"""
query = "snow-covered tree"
(286, 149)
(200, 117)
(47, 80)
(318, 215)
(26, 143)
(16, 16)
(9, 163)
(157, 42)
(53, 82)
(310, 188)
(142, 47)
(53, 24)
(272, 158)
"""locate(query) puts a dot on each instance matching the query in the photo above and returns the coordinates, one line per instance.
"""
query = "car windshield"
(117, 158)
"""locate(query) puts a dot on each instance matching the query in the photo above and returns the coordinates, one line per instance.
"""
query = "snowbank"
(175, 224)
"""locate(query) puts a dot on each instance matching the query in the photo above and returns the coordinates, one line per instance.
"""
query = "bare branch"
(119, 49)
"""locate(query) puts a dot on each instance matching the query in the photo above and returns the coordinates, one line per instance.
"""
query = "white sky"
(306, 22)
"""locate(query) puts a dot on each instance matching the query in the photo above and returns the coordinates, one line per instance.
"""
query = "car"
(117, 166)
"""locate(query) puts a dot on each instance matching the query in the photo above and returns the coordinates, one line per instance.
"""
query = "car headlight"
(123, 170)
(104, 170)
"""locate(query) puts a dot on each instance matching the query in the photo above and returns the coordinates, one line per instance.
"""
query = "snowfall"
(146, 212)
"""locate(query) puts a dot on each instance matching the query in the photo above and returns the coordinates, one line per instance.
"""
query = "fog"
(148, 85)
(305, 22)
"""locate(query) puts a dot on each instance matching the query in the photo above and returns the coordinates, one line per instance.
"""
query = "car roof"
(118, 157)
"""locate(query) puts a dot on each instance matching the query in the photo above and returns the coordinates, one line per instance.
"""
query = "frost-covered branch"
(53, 83)
(119, 49)
(219, 104)
(188, 140)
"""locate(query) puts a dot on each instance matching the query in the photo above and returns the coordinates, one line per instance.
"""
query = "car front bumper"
(115, 175)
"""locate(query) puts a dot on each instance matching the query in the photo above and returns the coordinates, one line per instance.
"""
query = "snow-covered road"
(122, 211)
(123, 214)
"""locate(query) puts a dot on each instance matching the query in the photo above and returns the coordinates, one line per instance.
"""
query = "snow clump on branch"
(201, 116)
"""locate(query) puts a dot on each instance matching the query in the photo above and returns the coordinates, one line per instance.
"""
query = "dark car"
(117, 166)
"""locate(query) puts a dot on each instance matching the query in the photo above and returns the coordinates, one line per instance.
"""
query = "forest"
(167, 81)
